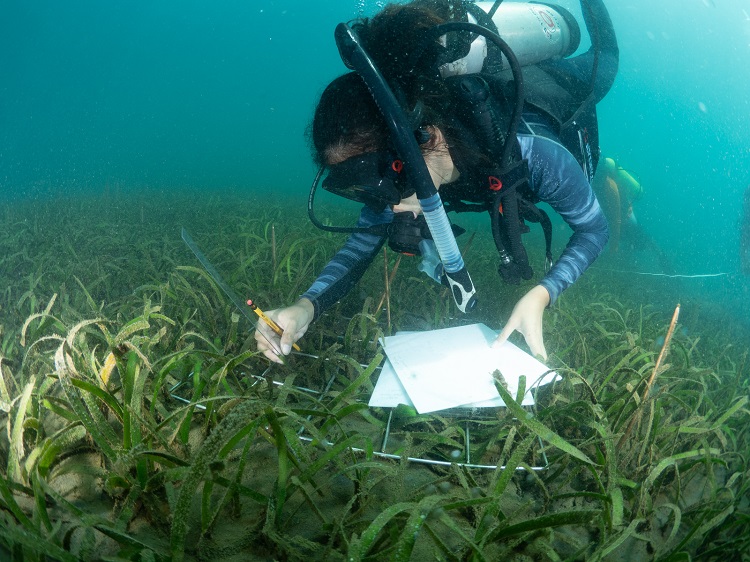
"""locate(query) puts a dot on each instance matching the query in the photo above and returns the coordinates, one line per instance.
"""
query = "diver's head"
(347, 119)
(349, 134)
(609, 166)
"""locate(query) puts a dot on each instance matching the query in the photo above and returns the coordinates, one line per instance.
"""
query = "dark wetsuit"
(556, 178)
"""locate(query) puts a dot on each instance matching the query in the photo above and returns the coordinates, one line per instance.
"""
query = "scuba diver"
(617, 190)
(433, 77)
(745, 234)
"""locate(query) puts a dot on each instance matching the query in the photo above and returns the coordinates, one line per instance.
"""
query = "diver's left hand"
(526, 318)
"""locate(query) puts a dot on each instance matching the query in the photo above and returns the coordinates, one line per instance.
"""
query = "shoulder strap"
(504, 185)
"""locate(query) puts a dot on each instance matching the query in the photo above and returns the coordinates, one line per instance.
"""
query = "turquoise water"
(101, 96)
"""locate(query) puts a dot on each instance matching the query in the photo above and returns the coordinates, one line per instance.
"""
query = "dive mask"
(373, 178)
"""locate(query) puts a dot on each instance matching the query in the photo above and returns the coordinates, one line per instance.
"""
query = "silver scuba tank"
(535, 32)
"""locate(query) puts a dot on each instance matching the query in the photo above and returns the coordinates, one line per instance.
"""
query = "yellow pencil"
(274, 326)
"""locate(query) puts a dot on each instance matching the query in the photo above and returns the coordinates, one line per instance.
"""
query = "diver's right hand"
(293, 320)
(526, 319)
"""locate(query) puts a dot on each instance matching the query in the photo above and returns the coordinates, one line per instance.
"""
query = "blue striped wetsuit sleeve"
(558, 180)
(349, 264)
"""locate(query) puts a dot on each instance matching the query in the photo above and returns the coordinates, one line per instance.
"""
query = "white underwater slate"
(452, 367)
(389, 392)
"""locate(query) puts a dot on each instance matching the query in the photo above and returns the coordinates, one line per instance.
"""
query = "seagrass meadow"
(139, 423)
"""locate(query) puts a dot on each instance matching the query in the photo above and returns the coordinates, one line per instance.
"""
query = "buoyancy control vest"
(480, 105)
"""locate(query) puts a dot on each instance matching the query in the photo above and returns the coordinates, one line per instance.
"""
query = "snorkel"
(402, 133)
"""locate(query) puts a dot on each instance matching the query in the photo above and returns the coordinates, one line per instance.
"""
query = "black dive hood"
(356, 58)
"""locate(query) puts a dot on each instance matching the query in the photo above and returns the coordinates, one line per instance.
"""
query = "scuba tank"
(534, 31)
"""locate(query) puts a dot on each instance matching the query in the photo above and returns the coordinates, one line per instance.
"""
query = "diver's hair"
(395, 40)
(446, 10)
(347, 121)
